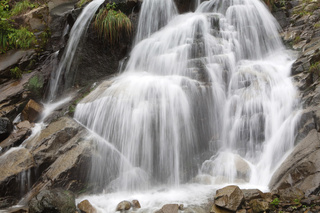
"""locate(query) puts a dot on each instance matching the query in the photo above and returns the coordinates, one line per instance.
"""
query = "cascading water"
(208, 97)
(79, 28)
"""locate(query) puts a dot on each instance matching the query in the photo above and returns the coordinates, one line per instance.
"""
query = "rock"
(5, 128)
(15, 139)
(229, 197)
(24, 124)
(15, 164)
(7, 202)
(217, 209)
(123, 205)
(301, 169)
(55, 200)
(259, 205)
(291, 194)
(250, 194)
(169, 208)
(136, 204)
(32, 111)
(86, 207)
(194, 209)
(242, 211)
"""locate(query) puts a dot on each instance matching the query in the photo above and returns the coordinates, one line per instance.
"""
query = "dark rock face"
(5, 128)
(53, 201)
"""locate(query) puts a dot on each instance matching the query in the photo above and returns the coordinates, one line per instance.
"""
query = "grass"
(315, 68)
(22, 7)
(16, 73)
(112, 25)
(82, 2)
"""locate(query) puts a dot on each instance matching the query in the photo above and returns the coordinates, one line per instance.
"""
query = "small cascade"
(162, 12)
(79, 28)
(208, 94)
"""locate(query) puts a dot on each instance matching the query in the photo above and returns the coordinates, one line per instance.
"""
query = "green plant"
(296, 40)
(296, 201)
(315, 68)
(21, 7)
(112, 25)
(317, 25)
(22, 38)
(275, 202)
(82, 2)
(35, 85)
(16, 73)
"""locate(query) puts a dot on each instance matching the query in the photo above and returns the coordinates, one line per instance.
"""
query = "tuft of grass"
(315, 68)
(16, 73)
(296, 40)
(112, 25)
(21, 7)
(317, 25)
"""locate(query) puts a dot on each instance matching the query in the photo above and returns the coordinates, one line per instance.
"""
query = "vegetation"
(16, 73)
(35, 85)
(112, 25)
(274, 3)
(11, 37)
(82, 2)
(275, 202)
(21, 7)
(315, 68)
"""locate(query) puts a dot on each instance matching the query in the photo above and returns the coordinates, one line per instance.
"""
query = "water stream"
(205, 99)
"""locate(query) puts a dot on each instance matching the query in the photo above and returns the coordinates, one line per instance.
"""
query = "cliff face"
(302, 32)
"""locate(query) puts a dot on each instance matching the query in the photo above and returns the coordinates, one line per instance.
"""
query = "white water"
(78, 30)
(207, 98)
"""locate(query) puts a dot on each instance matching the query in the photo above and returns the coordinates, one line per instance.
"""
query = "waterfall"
(162, 12)
(78, 30)
(206, 97)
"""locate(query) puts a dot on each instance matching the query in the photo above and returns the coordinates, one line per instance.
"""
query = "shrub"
(21, 7)
(22, 38)
(112, 25)
(275, 202)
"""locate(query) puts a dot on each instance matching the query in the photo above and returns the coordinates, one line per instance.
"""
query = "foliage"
(274, 3)
(315, 68)
(21, 7)
(296, 40)
(16, 73)
(35, 85)
(317, 25)
(275, 202)
(112, 25)
(22, 38)
(82, 2)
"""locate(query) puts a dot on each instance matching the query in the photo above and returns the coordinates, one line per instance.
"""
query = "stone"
(15, 139)
(301, 169)
(291, 194)
(5, 128)
(55, 200)
(32, 111)
(24, 124)
(136, 204)
(194, 209)
(242, 211)
(123, 206)
(86, 207)
(250, 194)
(217, 209)
(259, 205)
(229, 197)
(170, 208)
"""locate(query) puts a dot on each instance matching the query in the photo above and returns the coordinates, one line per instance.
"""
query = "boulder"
(86, 207)
(15, 165)
(217, 209)
(229, 197)
(5, 128)
(169, 208)
(250, 194)
(291, 194)
(15, 139)
(32, 111)
(136, 204)
(301, 169)
(259, 205)
(55, 200)
(123, 206)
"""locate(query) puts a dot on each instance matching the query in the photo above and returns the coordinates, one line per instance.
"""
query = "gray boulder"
(229, 197)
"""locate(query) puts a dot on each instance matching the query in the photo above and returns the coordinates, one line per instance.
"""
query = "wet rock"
(229, 197)
(86, 207)
(7, 202)
(259, 205)
(15, 139)
(5, 128)
(136, 204)
(32, 111)
(123, 206)
(301, 169)
(55, 200)
(194, 209)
